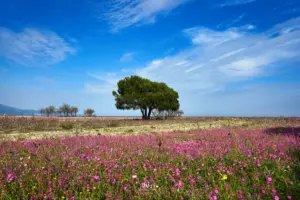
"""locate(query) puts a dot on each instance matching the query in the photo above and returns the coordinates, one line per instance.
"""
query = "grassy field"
(181, 158)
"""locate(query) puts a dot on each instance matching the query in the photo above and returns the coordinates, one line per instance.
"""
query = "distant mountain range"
(16, 111)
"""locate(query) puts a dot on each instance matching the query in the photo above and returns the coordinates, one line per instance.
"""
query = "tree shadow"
(286, 131)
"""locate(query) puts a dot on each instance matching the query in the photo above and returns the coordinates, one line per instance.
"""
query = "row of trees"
(64, 110)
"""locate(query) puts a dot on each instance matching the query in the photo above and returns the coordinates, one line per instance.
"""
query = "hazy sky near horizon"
(224, 57)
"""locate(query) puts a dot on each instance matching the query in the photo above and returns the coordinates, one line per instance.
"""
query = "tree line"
(64, 110)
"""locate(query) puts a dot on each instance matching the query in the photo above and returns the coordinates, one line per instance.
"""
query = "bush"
(164, 114)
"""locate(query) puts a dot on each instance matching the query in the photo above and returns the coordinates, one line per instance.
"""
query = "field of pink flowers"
(208, 164)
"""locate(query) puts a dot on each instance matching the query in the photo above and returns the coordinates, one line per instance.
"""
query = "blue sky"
(224, 57)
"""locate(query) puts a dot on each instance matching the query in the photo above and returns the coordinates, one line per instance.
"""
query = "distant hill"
(16, 111)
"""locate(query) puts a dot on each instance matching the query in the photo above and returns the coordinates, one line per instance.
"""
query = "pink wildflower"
(144, 185)
(258, 164)
(125, 186)
(11, 177)
(214, 198)
(96, 178)
(177, 172)
(276, 198)
(216, 191)
(269, 179)
(289, 197)
(281, 154)
(179, 185)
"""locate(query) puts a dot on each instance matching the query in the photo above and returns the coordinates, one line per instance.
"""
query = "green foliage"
(136, 93)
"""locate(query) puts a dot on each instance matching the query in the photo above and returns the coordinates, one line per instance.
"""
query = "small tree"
(50, 110)
(42, 111)
(180, 113)
(59, 112)
(89, 112)
(65, 109)
(74, 110)
(138, 93)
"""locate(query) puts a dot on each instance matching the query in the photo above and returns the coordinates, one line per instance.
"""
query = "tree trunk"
(149, 113)
(144, 113)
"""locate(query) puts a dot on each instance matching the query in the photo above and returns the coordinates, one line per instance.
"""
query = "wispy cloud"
(206, 36)
(125, 13)
(235, 2)
(127, 57)
(235, 22)
(33, 47)
(105, 85)
(218, 58)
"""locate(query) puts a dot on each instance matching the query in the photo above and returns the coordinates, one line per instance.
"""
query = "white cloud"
(205, 36)
(235, 2)
(33, 47)
(250, 27)
(127, 57)
(125, 13)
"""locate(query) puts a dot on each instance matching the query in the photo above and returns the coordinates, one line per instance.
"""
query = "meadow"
(181, 158)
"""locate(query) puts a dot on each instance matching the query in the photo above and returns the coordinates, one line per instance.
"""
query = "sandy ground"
(124, 130)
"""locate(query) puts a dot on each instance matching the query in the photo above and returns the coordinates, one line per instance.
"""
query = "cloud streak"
(235, 2)
(127, 57)
(125, 13)
(33, 47)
